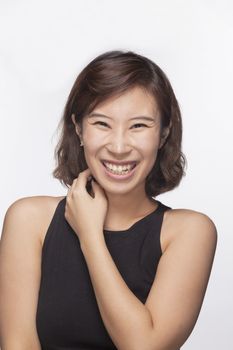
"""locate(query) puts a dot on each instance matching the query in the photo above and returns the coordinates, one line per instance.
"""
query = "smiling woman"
(110, 77)
(117, 142)
(108, 266)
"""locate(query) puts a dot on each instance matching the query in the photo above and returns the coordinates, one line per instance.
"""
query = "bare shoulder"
(186, 223)
(36, 211)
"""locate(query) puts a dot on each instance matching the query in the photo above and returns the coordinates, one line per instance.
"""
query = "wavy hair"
(110, 74)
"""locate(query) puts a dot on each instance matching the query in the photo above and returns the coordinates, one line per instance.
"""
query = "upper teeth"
(118, 167)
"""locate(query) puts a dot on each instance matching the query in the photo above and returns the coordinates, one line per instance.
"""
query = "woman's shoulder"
(182, 215)
(34, 212)
(183, 223)
(34, 205)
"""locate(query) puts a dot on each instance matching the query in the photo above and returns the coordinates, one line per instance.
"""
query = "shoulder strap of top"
(163, 207)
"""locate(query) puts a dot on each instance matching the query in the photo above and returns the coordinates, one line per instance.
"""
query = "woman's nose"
(119, 143)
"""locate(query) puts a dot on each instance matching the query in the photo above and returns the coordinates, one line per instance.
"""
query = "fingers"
(98, 190)
(83, 178)
(79, 183)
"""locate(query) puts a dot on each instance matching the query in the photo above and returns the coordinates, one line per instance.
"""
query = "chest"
(67, 310)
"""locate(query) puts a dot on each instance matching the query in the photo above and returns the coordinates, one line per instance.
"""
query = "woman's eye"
(105, 124)
(140, 124)
(100, 123)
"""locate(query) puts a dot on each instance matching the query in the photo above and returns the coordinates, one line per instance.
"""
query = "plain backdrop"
(45, 44)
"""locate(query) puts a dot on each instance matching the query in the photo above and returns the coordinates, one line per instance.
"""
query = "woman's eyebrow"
(105, 116)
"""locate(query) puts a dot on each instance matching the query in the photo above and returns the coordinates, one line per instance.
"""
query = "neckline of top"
(146, 217)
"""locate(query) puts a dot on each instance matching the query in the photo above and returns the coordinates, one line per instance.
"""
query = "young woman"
(108, 266)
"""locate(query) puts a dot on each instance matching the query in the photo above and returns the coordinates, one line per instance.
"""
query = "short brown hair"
(110, 74)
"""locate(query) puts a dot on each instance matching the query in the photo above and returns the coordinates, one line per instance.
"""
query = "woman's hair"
(111, 74)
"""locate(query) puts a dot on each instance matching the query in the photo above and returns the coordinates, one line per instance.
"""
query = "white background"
(45, 44)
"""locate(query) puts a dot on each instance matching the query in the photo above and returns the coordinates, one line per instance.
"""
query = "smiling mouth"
(119, 169)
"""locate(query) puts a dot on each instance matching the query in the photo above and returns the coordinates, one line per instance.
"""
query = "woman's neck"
(125, 209)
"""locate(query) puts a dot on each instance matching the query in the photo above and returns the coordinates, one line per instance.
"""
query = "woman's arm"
(177, 293)
(173, 305)
(20, 272)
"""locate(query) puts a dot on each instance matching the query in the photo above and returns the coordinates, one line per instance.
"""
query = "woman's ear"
(77, 127)
(164, 136)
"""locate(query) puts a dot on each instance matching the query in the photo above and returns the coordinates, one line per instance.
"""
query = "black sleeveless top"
(67, 315)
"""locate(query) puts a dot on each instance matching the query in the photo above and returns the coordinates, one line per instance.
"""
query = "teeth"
(119, 169)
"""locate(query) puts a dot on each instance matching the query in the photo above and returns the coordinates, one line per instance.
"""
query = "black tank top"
(67, 315)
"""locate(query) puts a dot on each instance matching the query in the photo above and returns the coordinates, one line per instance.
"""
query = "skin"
(188, 242)
(120, 138)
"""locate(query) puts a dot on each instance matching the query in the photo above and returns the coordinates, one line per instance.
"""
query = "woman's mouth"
(119, 171)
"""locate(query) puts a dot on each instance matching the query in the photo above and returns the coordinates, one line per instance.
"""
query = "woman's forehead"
(129, 104)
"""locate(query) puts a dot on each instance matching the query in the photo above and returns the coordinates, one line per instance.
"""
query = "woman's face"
(123, 130)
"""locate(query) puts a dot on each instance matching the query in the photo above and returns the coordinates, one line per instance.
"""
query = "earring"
(81, 143)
